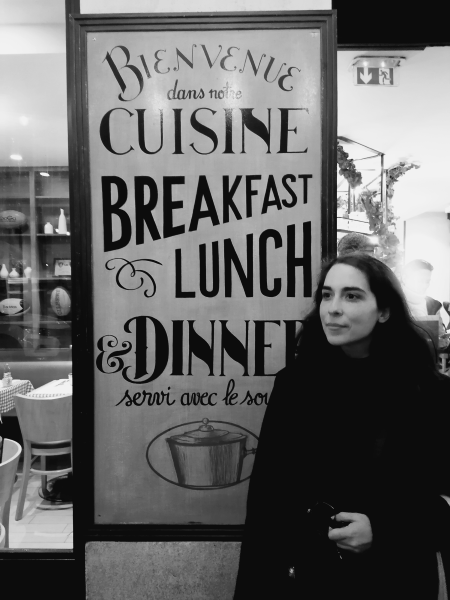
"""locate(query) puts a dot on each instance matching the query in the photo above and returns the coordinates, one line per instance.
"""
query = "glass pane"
(35, 270)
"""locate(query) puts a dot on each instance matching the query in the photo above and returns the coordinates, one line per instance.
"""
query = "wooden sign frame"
(82, 32)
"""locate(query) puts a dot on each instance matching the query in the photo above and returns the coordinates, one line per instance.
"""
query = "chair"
(8, 469)
(46, 426)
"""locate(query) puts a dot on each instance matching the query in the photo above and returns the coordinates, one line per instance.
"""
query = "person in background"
(345, 498)
(416, 279)
(355, 242)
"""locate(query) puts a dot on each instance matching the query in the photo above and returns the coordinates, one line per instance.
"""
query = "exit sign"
(375, 76)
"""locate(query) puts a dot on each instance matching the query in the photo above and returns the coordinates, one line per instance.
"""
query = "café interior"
(395, 135)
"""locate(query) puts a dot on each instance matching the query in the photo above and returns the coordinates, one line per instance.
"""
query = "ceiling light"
(15, 157)
(44, 174)
(24, 120)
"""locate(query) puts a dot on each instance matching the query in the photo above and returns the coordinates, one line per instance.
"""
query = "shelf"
(53, 278)
(14, 198)
(2, 235)
(53, 235)
(45, 284)
(25, 321)
(55, 324)
(16, 280)
(40, 199)
(50, 235)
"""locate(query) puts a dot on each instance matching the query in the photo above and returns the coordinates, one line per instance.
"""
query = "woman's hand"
(356, 536)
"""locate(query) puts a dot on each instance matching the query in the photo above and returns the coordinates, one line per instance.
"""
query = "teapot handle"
(249, 451)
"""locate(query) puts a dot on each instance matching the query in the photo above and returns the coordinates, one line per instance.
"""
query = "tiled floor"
(39, 528)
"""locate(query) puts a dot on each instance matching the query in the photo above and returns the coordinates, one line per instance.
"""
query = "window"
(35, 251)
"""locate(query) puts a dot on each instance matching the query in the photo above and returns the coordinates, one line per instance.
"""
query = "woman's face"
(349, 311)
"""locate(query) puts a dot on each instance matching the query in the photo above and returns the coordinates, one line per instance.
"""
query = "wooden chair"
(8, 469)
(46, 426)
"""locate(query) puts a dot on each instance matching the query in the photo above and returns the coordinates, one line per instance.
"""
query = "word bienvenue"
(119, 60)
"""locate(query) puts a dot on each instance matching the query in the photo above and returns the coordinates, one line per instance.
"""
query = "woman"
(355, 427)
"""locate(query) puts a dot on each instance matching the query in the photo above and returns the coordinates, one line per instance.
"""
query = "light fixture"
(15, 157)
(44, 174)
(377, 61)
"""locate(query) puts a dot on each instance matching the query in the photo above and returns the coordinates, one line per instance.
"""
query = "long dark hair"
(397, 344)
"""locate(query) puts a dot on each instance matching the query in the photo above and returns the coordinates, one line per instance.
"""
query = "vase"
(48, 228)
(27, 272)
(62, 223)
(13, 274)
(4, 272)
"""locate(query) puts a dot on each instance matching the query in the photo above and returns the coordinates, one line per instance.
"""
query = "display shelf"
(57, 324)
(53, 235)
(53, 278)
(13, 199)
(40, 199)
(17, 280)
(62, 237)
(15, 234)
(52, 199)
(8, 321)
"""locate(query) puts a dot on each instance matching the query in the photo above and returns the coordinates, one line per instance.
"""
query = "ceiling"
(33, 83)
(410, 122)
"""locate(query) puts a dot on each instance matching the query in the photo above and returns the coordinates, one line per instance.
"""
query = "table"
(19, 386)
(53, 389)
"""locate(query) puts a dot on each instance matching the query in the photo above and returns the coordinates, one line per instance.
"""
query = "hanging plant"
(347, 168)
(373, 210)
(393, 175)
(388, 242)
(389, 251)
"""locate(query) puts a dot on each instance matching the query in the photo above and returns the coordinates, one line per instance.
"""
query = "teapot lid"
(206, 431)
(205, 435)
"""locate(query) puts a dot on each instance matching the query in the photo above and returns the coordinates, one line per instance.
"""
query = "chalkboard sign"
(204, 180)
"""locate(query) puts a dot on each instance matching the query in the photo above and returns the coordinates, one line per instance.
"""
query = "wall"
(161, 570)
(428, 237)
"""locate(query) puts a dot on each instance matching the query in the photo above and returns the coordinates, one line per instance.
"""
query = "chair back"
(8, 468)
(45, 420)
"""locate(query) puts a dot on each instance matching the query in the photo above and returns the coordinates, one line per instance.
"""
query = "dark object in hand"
(320, 518)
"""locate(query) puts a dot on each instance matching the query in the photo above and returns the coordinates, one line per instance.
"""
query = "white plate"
(19, 314)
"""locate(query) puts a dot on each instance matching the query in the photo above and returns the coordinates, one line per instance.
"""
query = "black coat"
(354, 438)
